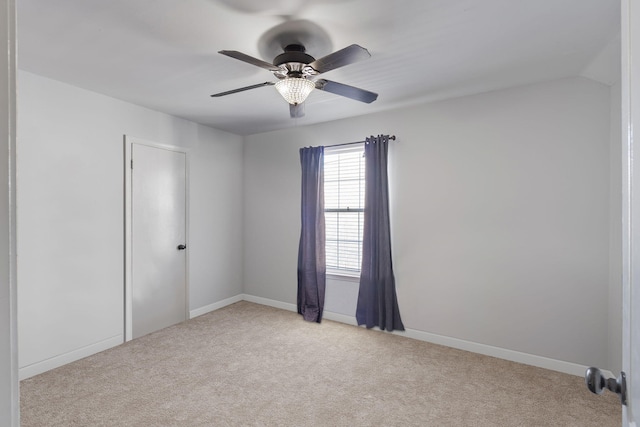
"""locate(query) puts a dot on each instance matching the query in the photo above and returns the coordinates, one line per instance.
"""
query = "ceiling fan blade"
(296, 111)
(250, 59)
(340, 58)
(346, 90)
(242, 89)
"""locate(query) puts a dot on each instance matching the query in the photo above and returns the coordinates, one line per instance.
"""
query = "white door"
(158, 288)
(627, 385)
(630, 32)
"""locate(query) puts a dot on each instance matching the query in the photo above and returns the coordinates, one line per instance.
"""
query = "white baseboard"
(60, 360)
(270, 302)
(215, 306)
(487, 350)
(57, 361)
(501, 353)
(342, 318)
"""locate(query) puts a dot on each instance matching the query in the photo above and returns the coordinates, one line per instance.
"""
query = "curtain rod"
(392, 137)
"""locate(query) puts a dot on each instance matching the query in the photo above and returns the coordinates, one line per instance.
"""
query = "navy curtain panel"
(311, 253)
(377, 301)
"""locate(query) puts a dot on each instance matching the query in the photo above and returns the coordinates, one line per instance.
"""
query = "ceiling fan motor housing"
(293, 53)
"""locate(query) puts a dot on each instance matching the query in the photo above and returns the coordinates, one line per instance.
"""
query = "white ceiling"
(162, 54)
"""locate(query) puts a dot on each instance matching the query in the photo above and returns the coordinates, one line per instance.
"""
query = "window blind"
(344, 208)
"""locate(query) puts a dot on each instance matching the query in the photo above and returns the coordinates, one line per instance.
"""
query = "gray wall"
(70, 216)
(503, 216)
(500, 216)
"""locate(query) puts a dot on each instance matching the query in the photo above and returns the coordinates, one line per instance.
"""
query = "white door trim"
(128, 291)
(9, 386)
(630, 87)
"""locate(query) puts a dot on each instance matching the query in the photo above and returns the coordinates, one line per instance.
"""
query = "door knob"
(181, 247)
(597, 383)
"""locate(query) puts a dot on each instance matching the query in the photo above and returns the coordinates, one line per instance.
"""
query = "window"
(344, 208)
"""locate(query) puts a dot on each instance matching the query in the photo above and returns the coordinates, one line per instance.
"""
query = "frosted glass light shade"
(295, 90)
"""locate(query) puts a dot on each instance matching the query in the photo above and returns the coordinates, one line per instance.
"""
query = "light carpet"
(253, 365)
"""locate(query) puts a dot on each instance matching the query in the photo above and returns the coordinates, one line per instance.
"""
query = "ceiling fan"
(294, 69)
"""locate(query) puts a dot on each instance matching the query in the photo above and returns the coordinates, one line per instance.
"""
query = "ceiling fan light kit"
(295, 90)
(294, 67)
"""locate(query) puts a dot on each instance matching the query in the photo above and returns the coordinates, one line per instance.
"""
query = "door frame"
(128, 244)
(630, 97)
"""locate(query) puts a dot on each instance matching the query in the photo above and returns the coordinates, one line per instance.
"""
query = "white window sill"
(344, 276)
